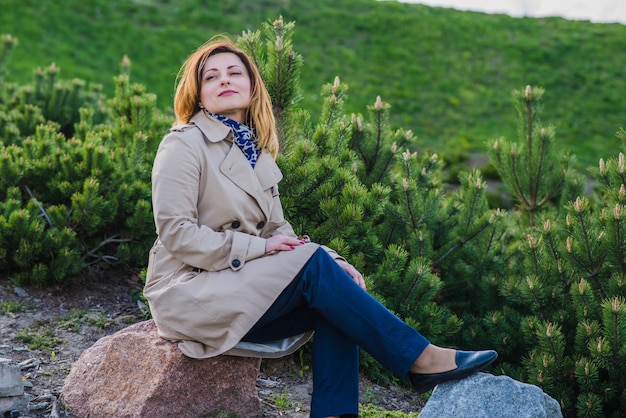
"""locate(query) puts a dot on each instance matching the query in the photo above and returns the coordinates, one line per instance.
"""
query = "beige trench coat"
(209, 279)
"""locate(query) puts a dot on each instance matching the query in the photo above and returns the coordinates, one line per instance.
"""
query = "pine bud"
(405, 184)
(126, 65)
(540, 377)
(543, 133)
(616, 305)
(532, 242)
(495, 145)
(621, 163)
(549, 330)
(406, 155)
(336, 84)
(582, 286)
(602, 167)
(359, 124)
(394, 147)
(600, 344)
(587, 329)
(578, 204)
(421, 236)
(568, 244)
(408, 134)
(279, 24)
(433, 158)
(9, 41)
(622, 191)
(528, 93)
(568, 220)
(52, 69)
(531, 286)
(379, 103)
(587, 369)
(546, 225)
(279, 43)
(617, 211)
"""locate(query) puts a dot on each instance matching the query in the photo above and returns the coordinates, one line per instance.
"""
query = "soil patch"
(47, 329)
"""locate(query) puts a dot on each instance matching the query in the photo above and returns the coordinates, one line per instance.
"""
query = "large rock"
(485, 396)
(135, 373)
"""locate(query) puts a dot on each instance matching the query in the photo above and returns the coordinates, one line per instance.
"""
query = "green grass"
(447, 74)
(371, 411)
(9, 306)
(39, 335)
(77, 317)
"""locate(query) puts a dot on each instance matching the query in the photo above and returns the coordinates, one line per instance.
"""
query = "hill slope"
(447, 74)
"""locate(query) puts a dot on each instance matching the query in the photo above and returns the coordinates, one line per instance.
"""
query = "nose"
(224, 80)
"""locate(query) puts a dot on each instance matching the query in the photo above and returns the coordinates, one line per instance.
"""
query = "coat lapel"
(237, 168)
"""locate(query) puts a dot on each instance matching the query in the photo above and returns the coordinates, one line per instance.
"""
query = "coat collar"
(214, 130)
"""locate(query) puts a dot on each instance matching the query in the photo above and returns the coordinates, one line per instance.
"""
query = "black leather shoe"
(468, 362)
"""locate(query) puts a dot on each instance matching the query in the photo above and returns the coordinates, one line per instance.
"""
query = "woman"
(228, 274)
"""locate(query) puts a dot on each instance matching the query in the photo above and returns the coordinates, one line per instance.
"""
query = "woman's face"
(225, 86)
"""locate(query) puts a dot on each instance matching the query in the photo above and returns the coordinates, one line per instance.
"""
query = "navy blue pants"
(324, 298)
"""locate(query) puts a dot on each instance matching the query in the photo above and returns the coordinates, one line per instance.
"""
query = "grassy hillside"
(447, 74)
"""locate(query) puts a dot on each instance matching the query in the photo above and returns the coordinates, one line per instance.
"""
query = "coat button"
(235, 224)
(260, 225)
(236, 263)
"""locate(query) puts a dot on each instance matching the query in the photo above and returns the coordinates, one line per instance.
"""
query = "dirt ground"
(46, 330)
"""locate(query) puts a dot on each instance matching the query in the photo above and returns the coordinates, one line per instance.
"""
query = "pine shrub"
(563, 310)
(75, 176)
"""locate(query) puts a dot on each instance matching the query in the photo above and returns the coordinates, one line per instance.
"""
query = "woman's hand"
(281, 243)
(352, 272)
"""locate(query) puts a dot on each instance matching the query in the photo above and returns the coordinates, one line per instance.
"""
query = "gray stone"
(21, 292)
(483, 395)
(136, 373)
(13, 403)
(10, 378)
(12, 397)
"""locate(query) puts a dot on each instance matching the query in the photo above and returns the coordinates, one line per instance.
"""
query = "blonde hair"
(187, 98)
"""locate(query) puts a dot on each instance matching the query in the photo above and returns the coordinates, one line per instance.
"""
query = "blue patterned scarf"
(244, 137)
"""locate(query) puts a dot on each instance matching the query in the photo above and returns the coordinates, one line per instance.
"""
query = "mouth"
(227, 93)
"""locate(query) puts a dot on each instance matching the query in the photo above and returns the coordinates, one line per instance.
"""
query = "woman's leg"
(327, 290)
(335, 357)
(335, 296)
(335, 372)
